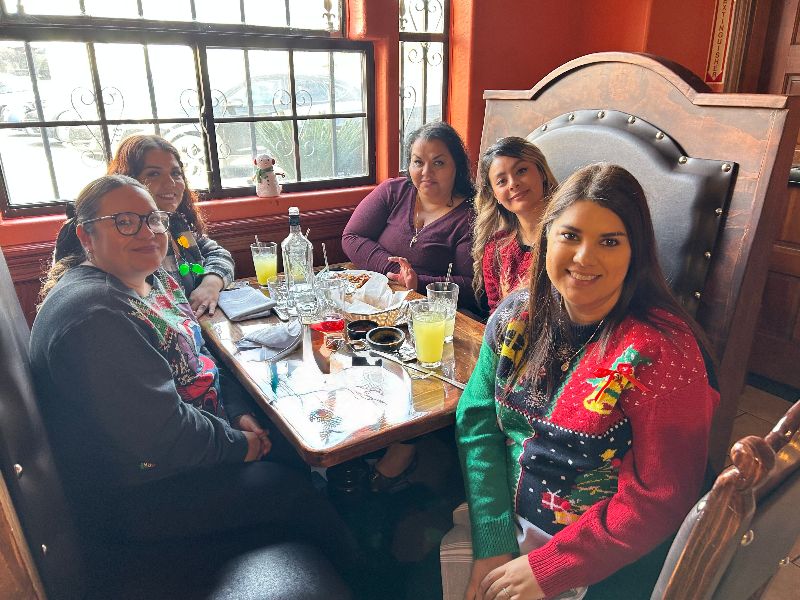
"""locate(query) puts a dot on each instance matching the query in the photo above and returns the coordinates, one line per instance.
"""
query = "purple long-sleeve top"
(382, 225)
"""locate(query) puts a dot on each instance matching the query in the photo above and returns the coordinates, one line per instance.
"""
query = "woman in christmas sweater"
(584, 428)
(132, 402)
(198, 263)
(515, 183)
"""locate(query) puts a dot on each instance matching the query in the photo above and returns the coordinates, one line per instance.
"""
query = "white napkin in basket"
(373, 297)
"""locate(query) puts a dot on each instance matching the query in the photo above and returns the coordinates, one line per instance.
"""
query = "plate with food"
(358, 278)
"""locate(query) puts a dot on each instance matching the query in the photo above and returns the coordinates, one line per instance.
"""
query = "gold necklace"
(565, 365)
(418, 230)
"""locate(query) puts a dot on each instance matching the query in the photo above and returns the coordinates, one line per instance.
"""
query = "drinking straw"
(308, 231)
(447, 277)
(256, 240)
(325, 256)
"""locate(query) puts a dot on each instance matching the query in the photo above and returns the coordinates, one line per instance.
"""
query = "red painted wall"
(512, 44)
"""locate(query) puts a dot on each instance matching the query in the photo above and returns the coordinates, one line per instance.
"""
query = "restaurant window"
(222, 80)
(423, 65)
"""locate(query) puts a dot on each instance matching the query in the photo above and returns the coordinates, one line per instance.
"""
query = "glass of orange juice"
(428, 328)
(444, 296)
(265, 260)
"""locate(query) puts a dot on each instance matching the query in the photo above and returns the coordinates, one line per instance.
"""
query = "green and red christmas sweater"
(609, 463)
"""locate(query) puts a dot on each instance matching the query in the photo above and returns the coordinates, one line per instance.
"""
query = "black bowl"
(386, 339)
(357, 330)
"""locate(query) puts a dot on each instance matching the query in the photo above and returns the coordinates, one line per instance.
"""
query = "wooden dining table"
(334, 405)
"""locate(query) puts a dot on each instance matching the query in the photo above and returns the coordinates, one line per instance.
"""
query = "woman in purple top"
(412, 228)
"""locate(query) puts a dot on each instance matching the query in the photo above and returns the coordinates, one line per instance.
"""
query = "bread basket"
(384, 318)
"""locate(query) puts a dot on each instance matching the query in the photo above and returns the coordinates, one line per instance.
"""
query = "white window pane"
(312, 83)
(351, 147)
(422, 16)
(435, 74)
(269, 82)
(276, 139)
(167, 10)
(218, 11)
(125, 91)
(119, 9)
(310, 14)
(65, 81)
(235, 151)
(266, 13)
(316, 149)
(22, 154)
(174, 81)
(46, 7)
(349, 75)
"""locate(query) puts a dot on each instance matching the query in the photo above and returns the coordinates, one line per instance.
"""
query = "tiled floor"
(758, 412)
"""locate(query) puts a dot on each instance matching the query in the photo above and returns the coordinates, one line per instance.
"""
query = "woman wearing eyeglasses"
(198, 263)
(133, 404)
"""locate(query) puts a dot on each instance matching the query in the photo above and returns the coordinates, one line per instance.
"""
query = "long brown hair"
(644, 288)
(491, 216)
(69, 252)
(130, 160)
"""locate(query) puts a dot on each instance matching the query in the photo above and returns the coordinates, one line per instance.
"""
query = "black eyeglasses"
(130, 223)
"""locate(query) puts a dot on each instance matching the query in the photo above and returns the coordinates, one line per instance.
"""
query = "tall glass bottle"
(298, 264)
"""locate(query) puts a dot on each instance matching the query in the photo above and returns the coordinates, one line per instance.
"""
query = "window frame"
(422, 37)
(199, 38)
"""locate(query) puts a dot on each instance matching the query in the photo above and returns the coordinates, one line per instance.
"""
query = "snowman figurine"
(265, 177)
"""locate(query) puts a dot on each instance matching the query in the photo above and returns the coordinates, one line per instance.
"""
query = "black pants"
(257, 500)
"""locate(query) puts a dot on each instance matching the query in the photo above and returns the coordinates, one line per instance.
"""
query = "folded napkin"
(279, 335)
(271, 341)
(244, 303)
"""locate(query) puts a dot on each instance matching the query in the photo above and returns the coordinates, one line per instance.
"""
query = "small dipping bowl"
(357, 330)
(386, 339)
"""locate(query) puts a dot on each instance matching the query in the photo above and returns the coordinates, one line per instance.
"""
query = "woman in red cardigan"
(515, 183)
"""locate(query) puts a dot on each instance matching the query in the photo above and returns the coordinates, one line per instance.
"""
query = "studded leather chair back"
(26, 461)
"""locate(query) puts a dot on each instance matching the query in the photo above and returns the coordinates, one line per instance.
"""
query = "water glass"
(265, 260)
(331, 302)
(427, 328)
(444, 296)
(279, 292)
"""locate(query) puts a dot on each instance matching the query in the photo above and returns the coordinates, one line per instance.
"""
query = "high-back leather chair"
(714, 167)
(740, 533)
(44, 559)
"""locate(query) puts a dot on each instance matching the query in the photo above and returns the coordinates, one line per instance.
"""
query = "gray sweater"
(125, 389)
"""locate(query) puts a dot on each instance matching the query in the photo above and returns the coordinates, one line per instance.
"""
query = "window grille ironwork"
(424, 49)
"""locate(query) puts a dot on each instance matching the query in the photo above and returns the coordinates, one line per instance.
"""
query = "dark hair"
(439, 130)
(644, 287)
(130, 160)
(491, 216)
(68, 251)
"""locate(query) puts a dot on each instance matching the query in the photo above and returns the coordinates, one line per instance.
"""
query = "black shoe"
(381, 484)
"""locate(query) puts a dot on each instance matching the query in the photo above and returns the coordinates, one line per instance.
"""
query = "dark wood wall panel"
(28, 263)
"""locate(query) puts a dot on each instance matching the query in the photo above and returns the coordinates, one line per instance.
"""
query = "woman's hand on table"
(206, 295)
(513, 580)
(249, 425)
(407, 275)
